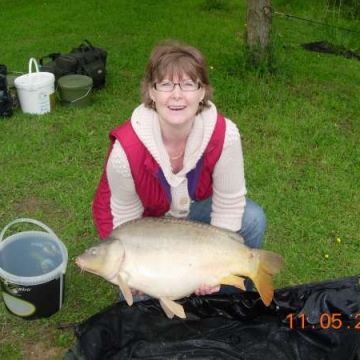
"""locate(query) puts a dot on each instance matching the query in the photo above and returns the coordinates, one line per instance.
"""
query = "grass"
(299, 125)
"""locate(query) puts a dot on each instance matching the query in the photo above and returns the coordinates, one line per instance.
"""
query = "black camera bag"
(85, 59)
(6, 101)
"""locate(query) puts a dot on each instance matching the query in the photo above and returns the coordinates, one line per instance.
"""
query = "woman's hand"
(137, 293)
(207, 290)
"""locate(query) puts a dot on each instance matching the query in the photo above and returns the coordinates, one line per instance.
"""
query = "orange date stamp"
(326, 321)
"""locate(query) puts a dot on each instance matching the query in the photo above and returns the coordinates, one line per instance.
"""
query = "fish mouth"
(79, 264)
(109, 276)
(83, 268)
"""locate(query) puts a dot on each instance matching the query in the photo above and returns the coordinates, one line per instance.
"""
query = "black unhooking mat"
(312, 322)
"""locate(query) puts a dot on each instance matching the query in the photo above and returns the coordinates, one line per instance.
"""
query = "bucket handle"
(26, 220)
(32, 61)
(78, 99)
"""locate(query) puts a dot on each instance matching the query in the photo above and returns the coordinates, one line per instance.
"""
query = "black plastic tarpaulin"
(308, 322)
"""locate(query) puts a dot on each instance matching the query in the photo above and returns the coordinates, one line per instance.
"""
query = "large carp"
(169, 259)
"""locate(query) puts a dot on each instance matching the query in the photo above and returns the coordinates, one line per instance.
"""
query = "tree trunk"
(258, 25)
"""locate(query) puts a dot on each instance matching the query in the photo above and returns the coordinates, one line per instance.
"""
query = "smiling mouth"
(177, 108)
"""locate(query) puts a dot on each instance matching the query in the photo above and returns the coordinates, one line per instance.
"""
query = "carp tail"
(269, 264)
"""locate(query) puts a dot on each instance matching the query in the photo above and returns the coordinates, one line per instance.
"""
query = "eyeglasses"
(186, 85)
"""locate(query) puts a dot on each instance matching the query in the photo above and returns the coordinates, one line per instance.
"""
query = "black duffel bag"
(85, 59)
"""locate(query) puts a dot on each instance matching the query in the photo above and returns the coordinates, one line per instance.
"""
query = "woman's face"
(177, 107)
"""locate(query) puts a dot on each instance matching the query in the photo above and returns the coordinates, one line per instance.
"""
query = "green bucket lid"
(75, 81)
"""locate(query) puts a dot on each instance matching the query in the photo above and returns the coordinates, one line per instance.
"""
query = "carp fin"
(172, 308)
(125, 290)
(233, 280)
(269, 264)
(234, 236)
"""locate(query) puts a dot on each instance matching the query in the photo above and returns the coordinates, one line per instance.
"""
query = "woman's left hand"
(207, 290)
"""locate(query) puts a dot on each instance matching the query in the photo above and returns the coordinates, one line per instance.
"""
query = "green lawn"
(299, 124)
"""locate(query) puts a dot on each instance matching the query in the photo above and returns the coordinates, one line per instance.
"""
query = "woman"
(177, 156)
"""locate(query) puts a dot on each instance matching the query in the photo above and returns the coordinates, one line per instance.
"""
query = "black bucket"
(32, 271)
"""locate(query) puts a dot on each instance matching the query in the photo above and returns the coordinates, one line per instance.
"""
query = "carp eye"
(93, 251)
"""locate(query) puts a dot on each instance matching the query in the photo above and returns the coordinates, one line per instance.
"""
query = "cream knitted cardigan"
(228, 200)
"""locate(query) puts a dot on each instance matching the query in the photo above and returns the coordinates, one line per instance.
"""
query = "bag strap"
(89, 43)
(52, 56)
(89, 47)
(85, 46)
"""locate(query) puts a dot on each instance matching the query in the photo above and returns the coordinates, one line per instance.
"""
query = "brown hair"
(174, 59)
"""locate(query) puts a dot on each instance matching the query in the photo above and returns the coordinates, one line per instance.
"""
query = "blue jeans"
(253, 221)
(252, 231)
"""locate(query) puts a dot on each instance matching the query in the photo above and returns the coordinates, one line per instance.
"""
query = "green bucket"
(75, 90)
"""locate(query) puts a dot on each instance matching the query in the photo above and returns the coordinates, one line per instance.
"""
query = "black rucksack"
(85, 59)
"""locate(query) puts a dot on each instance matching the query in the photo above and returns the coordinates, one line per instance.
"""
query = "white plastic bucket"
(36, 91)
(32, 271)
